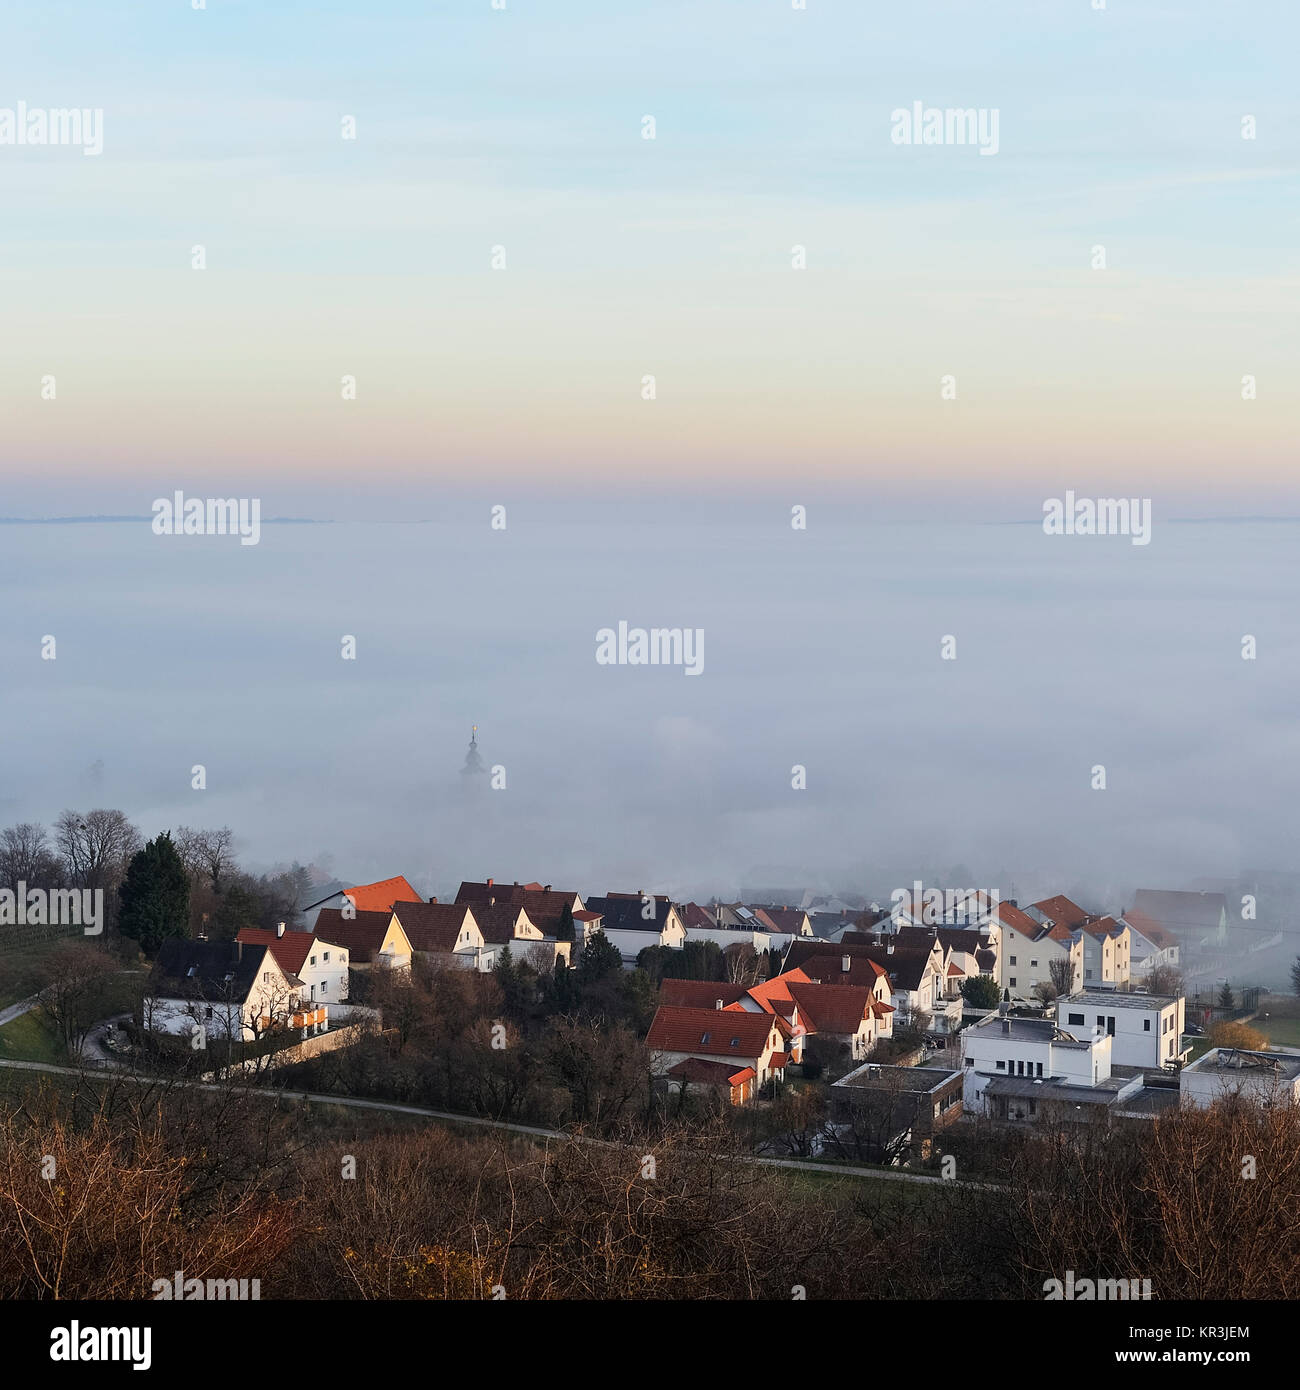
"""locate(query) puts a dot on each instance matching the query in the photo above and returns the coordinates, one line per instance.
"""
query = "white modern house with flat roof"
(1146, 1030)
(1035, 1049)
(1267, 1078)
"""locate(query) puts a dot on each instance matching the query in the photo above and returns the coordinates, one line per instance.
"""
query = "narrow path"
(393, 1107)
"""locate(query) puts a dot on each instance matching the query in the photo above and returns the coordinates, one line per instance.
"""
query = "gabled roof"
(434, 926)
(544, 906)
(696, 916)
(1010, 916)
(699, 994)
(1102, 927)
(290, 950)
(1062, 912)
(1182, 912)
(713, 1032)
(704, 1073)
(500, 921)
(213, 971)
(786, 920)
(1150, 930)
(380, 897)
(832, 1008)
(969, 940)
(622, 912)
(905, 967)
(363, 933)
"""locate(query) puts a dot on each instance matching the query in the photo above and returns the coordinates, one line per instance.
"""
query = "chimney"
(279, 929)
(846, 963)
(717, 1003)
(889, 948)
(239, 949)
(547, 888)
(433, 900)
(490, 882)
(1006, 1027)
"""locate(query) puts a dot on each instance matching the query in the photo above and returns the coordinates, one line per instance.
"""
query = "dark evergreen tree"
(1226, 1001)
(155, 895)
(564, 932)
(600, 958)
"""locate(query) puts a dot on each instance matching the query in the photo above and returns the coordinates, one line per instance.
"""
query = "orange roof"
(380, 897)
(954, 968)
(1010, 916)
(1103, 926)
(779, 1059)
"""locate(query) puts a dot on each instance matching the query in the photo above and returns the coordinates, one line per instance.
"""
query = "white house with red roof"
(1029, 946)
(321, 965)
(749, 1045)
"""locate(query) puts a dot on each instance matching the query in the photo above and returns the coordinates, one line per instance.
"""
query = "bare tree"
(1165, 979)
(1061, 973)
(209, 853)
(26, 857)
(74, 998)
(96, 848)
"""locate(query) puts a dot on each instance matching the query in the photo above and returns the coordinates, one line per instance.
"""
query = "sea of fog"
(822, 649)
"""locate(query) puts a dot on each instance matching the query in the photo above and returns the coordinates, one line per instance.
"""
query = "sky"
(465, 308)
(625, 257)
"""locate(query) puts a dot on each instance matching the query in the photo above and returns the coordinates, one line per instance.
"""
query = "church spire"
(473, 761)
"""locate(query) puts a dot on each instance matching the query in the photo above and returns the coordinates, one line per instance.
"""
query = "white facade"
(1106, 962)
(1027, 964)
(1267, 1078)
(325, 973)
(1032, 1048)
(1146, 1029)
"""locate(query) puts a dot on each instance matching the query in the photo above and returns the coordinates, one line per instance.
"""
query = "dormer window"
(706, 1037)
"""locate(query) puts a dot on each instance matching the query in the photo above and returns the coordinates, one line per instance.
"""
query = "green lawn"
(32, 1038)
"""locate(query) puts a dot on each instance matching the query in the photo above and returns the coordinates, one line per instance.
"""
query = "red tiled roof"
(685, 1030)
(710, 1073)
(1149, 928)
(289, 950)
(695, 916)
(698, 994)
(380, 897)
(1012, 917)
(1102, 927)
(778, 1061)
(832, 1008)
(1062, 911)
(786, 920)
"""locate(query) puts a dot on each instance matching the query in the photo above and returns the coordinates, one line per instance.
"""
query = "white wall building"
(1146, 1030)
(1267, 1078)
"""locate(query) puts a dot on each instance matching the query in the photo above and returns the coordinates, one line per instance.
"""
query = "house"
(914, 974)
(322, 967)
(1146, 1029)
(1029, 948)
(785, 921)
(449, 931)
(1150, 945)
(633, 921)
(371, 938)
(881, 1113)
(1265, 1078)
(1196, 919)
(1106, 954)
(735, 1037)
(735, 1082)
(365, 897)
(1031, 1069)
(693, 915)
(968, 952)
(545, 906)
(233, 991)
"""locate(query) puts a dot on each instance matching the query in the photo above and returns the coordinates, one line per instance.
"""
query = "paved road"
(17, 1010)
(355, 1102)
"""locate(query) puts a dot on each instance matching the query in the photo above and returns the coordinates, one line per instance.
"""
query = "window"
(1146, 1025)
(1076, 1018)
(735, 1042)
(1013, 960)
(970, 1061)
(1040, 1069)
(324, 986)
(266, 977)
(1087, 974)
(326, 957)
(1002, 1066)
(313, 960)
(1033, 964)
(1012, 982)
(1033, 1107)
(208, 1012)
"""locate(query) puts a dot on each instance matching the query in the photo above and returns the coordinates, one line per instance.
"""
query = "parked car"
(1194, 1029)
